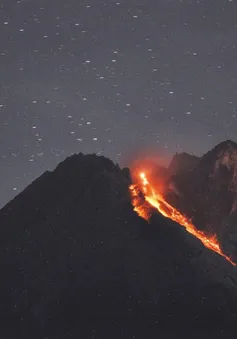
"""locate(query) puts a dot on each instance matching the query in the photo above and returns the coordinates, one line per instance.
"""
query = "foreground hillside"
(77, 261)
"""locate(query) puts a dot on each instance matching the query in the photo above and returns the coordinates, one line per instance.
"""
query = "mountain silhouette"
(208, 193)
(78, 262)
(182, 161)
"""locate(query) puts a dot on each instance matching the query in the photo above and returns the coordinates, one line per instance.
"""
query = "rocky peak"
(208, 191)
(225, 153)
(227, 145)
(221, 164)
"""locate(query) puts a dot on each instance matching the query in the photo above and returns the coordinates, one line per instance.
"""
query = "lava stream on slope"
(144, 196)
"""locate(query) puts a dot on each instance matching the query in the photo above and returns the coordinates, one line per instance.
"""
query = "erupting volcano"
(78, 262)
(145, 197)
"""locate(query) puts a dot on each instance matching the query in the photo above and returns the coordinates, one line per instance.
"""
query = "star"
(110, 77)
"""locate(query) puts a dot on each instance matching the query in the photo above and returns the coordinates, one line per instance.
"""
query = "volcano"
(79, 262)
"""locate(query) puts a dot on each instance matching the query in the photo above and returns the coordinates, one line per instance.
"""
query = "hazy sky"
(112, 77)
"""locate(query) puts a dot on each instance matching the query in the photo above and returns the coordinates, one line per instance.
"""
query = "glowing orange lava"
(144, 196)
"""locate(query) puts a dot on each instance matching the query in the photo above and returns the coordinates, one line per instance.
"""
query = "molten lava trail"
(144, 196)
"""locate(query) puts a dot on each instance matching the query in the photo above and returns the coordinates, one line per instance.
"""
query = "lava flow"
(144, 196)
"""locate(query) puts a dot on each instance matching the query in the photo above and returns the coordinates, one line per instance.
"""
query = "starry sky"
(112, 77)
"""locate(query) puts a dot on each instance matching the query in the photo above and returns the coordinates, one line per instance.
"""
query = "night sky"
(111, 77)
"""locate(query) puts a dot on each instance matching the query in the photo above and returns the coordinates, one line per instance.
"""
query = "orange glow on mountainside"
(144, 196)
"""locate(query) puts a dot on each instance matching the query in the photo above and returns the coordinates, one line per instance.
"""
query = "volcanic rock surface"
(78, 262)
(207, 192)
(182, 161)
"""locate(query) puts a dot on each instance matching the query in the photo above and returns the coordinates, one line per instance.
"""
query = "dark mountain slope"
(182, 161)
(208, 192)
(78, 262)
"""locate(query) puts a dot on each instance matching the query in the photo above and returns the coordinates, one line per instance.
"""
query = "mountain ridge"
(182, 161)
(79, 261)
(208, 191)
